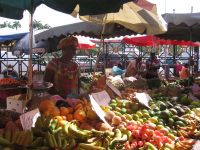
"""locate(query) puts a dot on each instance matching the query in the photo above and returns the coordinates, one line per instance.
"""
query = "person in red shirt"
(177, 68)
(63, 72)
(184, 74)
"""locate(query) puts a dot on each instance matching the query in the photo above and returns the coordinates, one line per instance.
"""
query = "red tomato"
(140, 143)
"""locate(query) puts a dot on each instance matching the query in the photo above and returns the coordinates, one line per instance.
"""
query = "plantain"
(118, 135)
(49, 140)
(54, 140)
(65, 144)
(8, 135)
(14, 136)
(37, 142)
(20, 138)
(85, 146)
(28, 138)
(97, 133)
(4, 142)
(58, 139)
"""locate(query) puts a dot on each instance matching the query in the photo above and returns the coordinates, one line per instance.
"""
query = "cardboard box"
(16, 103)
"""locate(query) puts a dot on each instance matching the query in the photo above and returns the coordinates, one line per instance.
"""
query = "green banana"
(72, 144)
(54, 140)
(4, 141)
(14, 136)
(58, 139)
(79, 133)
(150, 146)
(97, 133)
(53, 124)
(46, 122)
(20, 138)
(85, 146)
(50, 140)
(66, 128)
(28, 138)
(65, 144)
(37, 142)
(118, 135)
(8, 134)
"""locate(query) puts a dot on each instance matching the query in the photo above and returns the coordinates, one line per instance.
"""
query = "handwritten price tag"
(102, 98)
(114, 89)
(143, 99)
(28, 119)
(98, 109)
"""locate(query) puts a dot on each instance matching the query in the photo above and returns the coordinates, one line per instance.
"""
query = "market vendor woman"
(63, 72)
(152, 66)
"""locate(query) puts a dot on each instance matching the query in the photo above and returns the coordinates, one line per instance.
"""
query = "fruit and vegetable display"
(9, 82)
(169, 122)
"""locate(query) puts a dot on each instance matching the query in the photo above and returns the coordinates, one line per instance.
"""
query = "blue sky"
(54, 18)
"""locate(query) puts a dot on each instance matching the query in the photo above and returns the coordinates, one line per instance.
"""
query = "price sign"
(98, 110)
(196, 145)
(114, 89)
(143, 99)
(28, 119)
(102, 98)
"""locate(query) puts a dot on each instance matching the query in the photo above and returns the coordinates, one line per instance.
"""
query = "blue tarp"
(11, 37)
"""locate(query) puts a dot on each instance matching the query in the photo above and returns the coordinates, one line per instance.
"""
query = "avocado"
(170, 122)
(180, 123)
(183, 120)
(161, 105)
(180, 110)
(165, 114)
(169, 105)
(173, 111)
(175, 117)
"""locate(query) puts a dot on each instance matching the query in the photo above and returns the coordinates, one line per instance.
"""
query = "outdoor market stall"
(112, 114)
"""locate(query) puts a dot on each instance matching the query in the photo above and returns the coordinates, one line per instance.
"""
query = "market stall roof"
(8, 34)
(85, 29)
(184, 26)
(49, 45)
(153, 40)
(14, 8)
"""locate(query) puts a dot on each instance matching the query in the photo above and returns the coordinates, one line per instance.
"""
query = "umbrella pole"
(101, 43)
(30, 67)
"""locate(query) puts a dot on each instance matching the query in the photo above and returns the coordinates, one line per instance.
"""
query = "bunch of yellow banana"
(184, 145)
(72, 130)
(187, 131)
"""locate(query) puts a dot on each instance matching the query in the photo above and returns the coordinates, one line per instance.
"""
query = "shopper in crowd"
(152, 66)
(177, 68)
(184, 73)
(135, 67)
(118, 69)
(63, 72)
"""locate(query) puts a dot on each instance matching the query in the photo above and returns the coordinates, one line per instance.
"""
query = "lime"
(135, 117)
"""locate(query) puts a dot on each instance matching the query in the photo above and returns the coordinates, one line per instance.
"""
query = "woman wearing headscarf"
(63, 72)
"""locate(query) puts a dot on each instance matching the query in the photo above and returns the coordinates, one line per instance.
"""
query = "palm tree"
(16, 25)
(37, 25)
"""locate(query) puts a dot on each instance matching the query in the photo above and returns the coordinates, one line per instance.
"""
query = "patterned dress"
(65, 77)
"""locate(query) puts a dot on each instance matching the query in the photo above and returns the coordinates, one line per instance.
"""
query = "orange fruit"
(54, 111)
(80, 115)
(64, 111)
(45, 105)
(71, 110)
(70, 117)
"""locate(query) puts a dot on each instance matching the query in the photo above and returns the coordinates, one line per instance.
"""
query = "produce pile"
(9, 82)
(169, 123)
